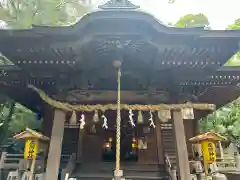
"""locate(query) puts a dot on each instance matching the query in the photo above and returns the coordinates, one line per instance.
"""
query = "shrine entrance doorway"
(128, 151)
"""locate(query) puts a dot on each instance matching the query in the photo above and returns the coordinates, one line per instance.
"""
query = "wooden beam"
(181, 146)
(80, 144)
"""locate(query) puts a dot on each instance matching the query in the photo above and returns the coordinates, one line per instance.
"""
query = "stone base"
(118, 175)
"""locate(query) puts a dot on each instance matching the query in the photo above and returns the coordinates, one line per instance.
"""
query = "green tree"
(25, 13)
(235, 25)
(225, 121)
(193, 20)
(14, 119)
(7, 110)
(23, 118)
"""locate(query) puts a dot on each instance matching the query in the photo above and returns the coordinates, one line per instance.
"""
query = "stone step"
(136, 171)
(126, 174)
(103, 167)
(126, 177)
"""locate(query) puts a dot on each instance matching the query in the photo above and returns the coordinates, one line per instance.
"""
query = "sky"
(220, 13)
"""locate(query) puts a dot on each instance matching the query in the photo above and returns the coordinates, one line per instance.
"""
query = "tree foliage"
(25, 13)
(193, 20)
(235, 25)
(15, 118)
(225, 121)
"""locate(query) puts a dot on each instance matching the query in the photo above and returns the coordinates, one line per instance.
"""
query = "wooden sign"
(31, 149)
(209, 152)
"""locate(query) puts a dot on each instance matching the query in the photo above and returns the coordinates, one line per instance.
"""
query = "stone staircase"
(169, 141)
(134, 171)
(70, 141)
(69, 145)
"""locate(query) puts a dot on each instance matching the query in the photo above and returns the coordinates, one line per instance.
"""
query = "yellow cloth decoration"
(139, 107)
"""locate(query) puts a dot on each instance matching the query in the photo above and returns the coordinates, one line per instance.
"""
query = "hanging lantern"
(140, 117)
(131, 121)
(95, 116)
(73, 119)
(82, 121)
(164, 115)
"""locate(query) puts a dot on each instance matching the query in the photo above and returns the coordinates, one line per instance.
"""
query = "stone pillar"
(181, 146)
(55, 147)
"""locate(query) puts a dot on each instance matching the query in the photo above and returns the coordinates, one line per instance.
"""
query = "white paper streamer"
(151, 120)
(105, 125)
(82, 121)
(131, 121)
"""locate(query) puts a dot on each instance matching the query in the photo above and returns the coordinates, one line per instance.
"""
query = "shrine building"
(161, 79)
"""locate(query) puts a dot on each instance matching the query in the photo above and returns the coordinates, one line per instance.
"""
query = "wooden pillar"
(159, 143)
(55, 147)
(79, 148)
(181, 146)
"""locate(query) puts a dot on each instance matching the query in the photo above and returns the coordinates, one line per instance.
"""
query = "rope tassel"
(140, 117)
(73, 119)
(118, 120)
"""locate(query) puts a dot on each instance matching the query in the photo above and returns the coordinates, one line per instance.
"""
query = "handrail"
(167, 161)
(170, 169)
(3, 156)
(70, 166)
(168, 164)
(10, 161)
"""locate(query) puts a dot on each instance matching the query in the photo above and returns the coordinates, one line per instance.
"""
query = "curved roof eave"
(40, 31)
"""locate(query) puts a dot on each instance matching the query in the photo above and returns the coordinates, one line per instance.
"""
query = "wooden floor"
(105, 170)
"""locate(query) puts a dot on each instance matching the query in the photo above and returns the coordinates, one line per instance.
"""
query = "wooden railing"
(71, 164)
(10, 161)
(170, 169)
(227, 164)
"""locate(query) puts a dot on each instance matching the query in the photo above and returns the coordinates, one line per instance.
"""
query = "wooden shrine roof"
(212, 136)
(157, 61)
